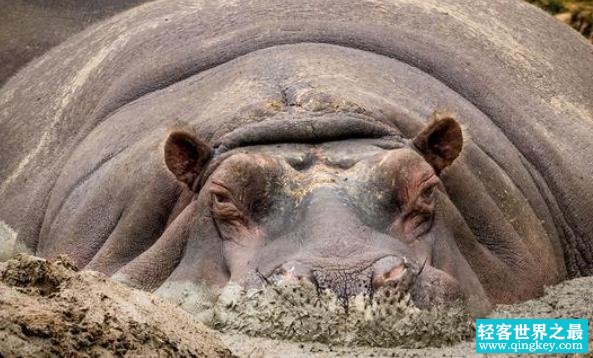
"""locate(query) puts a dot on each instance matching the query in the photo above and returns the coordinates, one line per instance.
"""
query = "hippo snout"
(389, 271)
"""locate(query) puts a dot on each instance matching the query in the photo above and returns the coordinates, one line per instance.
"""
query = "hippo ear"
(440, 142)
(186, 156)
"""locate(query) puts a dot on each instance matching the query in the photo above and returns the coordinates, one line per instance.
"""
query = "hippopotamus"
(441, 147)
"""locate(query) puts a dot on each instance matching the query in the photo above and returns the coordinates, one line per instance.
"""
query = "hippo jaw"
(350, 216)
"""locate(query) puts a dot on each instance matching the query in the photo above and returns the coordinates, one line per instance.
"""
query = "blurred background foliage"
(576, 13)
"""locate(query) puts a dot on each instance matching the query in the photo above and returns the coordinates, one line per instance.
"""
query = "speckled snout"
(388, 271)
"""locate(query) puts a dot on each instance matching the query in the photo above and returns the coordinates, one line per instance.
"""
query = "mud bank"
(50, 309)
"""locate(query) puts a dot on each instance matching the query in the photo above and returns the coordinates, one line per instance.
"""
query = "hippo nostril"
(395, 274)
(390, 271)
(289, 272)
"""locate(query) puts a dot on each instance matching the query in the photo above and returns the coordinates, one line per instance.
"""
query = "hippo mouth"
(345, 283)
(416, 306)
(304, 312)
(425, 285)
(411, 311)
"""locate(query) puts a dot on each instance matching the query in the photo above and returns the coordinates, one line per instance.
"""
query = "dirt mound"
(50, 309)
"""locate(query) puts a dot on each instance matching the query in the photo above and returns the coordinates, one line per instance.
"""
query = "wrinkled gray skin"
(189, 143)
(28, 28)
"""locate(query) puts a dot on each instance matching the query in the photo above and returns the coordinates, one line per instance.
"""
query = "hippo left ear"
(186, 156)
(440, 142)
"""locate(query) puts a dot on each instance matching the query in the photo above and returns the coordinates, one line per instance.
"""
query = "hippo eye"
(224, 208)
(220, 198)
(428, 193)
(418, 215)
(222, 203)
(221, 195)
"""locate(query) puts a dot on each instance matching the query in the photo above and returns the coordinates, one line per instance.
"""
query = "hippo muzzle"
(341, 254)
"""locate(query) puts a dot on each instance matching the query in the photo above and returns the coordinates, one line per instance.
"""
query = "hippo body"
(189, 142)
(29, 28)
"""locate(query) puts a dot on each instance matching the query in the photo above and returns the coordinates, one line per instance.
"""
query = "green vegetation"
(558, 6)
(551, 6)
(576, 13)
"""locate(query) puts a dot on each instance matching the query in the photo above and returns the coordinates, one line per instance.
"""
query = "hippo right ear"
(440, 142)
(186, 156)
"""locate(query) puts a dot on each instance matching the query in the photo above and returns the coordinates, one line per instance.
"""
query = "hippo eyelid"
(221, 198)
(430, 178)
(428, 191)
(220, 184)
(221, 195)
(220, 191)
(428, 186)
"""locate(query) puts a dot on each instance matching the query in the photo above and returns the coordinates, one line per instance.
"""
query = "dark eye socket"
(223, 208)
(428, 192)
(222, 201)
(221, 198)
(223, 205)
(220, 193)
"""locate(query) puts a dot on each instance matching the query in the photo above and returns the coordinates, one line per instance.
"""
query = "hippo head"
(350, 216)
